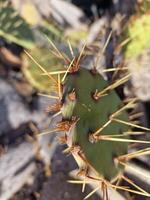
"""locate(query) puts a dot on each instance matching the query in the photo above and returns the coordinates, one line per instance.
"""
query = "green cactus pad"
(92, 115)
(14, 28)
(33, 73)
(139, 32)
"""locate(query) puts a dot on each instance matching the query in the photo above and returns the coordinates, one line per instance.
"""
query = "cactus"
(14, 28)
(96, 125)
(137, 48)
(93, 113)
(33, 73)
(139, 32)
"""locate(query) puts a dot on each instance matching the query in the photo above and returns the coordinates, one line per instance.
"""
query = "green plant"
(14, 28)
(96, 125)
(33, 73)
(92, 111)
(139, 33)
(51, 63)
(136, 49)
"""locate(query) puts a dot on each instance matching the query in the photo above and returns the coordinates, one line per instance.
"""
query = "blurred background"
(33, 167)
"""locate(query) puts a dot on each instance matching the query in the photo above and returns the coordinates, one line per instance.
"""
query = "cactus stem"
(74, 98)
(42, 69)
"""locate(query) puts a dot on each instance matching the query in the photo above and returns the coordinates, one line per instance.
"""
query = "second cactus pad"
(139, 32)
(92, 114)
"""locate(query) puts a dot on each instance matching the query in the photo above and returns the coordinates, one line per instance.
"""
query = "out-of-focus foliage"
(14, 28)
(34, 74)
(139, 33)
(23, 29)
(51, 30)
(30, 13)
(75, 36)
(146, 5)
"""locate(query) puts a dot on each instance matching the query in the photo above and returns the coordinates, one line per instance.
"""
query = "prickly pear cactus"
(89, 113)
(136, 51)
(139, 33)
(95, 125)
(34, 75)
(13, 27)
(136, 34)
